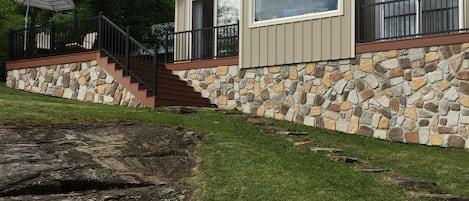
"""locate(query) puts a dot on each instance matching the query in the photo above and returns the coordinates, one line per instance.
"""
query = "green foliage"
(10, 18)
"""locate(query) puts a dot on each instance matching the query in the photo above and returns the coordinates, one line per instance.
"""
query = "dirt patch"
(115, 161)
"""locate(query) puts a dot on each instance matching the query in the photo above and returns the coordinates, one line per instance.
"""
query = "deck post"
(100, 31)
(10, 44)
(155, 73)
(127, 55)
(52, 38)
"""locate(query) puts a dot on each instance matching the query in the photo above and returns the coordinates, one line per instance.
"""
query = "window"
(277, 11)
(388, 19)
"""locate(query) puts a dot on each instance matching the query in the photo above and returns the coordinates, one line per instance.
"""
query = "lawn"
(240, 160)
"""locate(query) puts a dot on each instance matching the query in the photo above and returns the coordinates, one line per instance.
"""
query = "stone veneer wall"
(84, 81)
(412, 95)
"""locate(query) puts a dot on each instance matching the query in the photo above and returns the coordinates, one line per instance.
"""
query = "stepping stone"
(303, 143)
(412, 183)
(374, 170)
(261, 122)
(446, 197)
(325, 150)
(291, 133)
(346, 159)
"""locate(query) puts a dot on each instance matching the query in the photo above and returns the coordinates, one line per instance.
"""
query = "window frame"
(297, 18)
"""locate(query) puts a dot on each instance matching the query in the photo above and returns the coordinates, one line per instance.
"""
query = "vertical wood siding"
(297, 42)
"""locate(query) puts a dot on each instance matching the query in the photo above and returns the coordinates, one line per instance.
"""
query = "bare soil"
(112, 161)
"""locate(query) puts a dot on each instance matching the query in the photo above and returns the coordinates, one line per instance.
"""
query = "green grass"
(242, 161)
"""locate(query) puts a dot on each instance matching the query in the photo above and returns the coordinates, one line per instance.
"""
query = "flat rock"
(325, 150)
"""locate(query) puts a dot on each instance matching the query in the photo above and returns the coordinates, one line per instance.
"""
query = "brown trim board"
(412, 43)
(209, 63)
(52, 60)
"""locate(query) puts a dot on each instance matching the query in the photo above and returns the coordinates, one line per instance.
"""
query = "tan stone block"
(349, 75)
(222, 70)
(22, 71)
(354, 124)
(257, 89)
(418, 83)
(465, 46)
(383, 123)
(391, 54)
(89, 96)
(431, 57)
(313, 89)
(293, 74)
(379, 58)
(193, 76)
(269, 104)
(101, 89)
(100, 82)
(58, 68)
(268, 79)
(300, 88)
(278, 88)
(326, 81)
(345, 106)
(243, 92)
(210, 79)
(310, 69)
(94, 63)
(464, 100)
(275, 69)
(73, 67)
(444, 85)
(436, 139)
(117, 98)
(222, 100)
(197, 88)
(43, 88)
(330, 124)
(27, 87)
(297, 108)
(389, 92)
(261, 111)
(58, 92)
(315, 111)
(366, 65)
(279, 116)
(411, 113)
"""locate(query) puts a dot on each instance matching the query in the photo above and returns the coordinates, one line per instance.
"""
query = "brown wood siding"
(297, 42)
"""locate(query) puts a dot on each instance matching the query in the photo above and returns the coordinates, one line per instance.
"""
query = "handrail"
(204, 43)
(89, 34)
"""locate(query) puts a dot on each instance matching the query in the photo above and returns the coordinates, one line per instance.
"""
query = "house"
(390, 69)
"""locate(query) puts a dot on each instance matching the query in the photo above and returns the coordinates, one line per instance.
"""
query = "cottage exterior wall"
(84, 81)
(418, 95)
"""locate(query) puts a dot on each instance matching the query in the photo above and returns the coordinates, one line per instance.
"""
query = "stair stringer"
(132, 87)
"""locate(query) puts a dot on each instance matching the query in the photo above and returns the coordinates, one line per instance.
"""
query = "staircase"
(171, 91)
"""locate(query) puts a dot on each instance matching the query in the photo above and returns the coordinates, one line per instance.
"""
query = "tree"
(10, 18)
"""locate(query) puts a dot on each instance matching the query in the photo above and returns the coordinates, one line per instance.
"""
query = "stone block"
(455, 141)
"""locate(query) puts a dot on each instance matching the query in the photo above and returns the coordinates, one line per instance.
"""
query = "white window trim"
(283, 20)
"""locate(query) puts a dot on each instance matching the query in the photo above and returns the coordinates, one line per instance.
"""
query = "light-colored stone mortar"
(416, 95)
(84, 81)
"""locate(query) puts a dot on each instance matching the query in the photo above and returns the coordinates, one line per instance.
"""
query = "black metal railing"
(91, 34)
(398, 19)
(206, 43)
